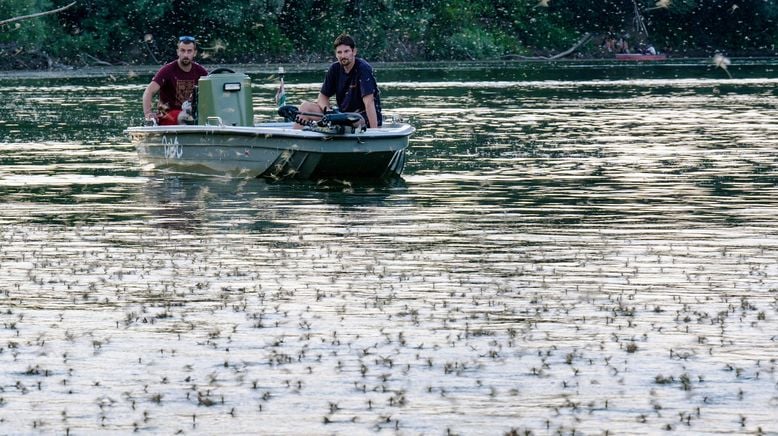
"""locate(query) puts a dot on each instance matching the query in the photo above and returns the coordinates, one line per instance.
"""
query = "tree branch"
(39, 14)
(582, 41)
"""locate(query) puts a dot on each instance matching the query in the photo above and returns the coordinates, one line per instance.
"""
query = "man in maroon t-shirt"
(175, 83)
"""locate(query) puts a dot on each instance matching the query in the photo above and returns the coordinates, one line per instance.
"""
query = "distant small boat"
(642, 33)
(640, 57)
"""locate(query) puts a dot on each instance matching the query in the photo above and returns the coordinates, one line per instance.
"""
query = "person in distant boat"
(353, 84)
(175, 83)
(610, 41)
(622, 46)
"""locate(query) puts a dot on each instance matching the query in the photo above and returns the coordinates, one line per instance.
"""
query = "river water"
(575, 247)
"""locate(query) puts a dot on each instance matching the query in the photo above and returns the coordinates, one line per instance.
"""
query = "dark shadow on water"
(355, 186)
(191, 202)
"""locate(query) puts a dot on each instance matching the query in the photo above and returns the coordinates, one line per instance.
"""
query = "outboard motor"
(226, 95)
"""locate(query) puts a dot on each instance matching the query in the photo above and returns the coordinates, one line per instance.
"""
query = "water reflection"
(579, 247)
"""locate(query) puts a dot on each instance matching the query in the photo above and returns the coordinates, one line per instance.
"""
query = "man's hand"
(151, 118)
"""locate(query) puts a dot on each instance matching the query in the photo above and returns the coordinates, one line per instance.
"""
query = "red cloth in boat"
(170, 118)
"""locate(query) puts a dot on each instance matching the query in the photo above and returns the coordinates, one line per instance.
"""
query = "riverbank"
(26, 64)
(269, 69)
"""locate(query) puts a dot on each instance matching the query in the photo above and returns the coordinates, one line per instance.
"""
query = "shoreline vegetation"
(68, 34)
(11, 67)
(271, 69)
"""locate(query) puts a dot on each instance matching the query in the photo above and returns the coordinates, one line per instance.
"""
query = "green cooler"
(225, 96)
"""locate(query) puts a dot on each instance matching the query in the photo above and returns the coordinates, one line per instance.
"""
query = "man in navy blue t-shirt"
(353, 84)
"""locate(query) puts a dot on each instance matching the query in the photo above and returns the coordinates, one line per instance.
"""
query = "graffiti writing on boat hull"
(172, 149)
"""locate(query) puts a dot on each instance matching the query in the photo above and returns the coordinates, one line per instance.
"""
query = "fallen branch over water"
(87, 58)
(39, 14)
(584, 39)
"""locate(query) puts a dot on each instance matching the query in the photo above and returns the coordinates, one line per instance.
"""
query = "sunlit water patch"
(579, 254)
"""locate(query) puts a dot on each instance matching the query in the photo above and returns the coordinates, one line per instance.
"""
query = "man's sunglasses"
(186, 39)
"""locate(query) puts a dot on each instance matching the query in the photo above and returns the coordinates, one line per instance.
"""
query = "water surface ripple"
(590, 253)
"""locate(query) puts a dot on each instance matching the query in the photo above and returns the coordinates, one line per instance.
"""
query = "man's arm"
(148, 94)
(372, 117)
(323, 101)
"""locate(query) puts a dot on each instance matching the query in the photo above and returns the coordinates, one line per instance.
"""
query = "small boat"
(642, 33)
(224, 140)
(640, 57)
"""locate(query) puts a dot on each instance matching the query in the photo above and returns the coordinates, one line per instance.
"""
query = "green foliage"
(145, 31)
(744, 27)
(245, 31)
(26, 34)
(472, 43)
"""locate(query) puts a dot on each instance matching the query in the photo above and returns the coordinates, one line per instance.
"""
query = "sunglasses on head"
(186, 39)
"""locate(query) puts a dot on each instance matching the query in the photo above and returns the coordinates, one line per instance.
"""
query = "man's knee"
(309, 106)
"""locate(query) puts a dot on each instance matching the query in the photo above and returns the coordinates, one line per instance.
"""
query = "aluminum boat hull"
(274, 150)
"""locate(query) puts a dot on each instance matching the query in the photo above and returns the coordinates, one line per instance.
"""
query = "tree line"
(257, 31)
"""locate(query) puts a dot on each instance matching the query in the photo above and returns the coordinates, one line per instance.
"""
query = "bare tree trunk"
(39, 14)
(582, 41)
(94, 60)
